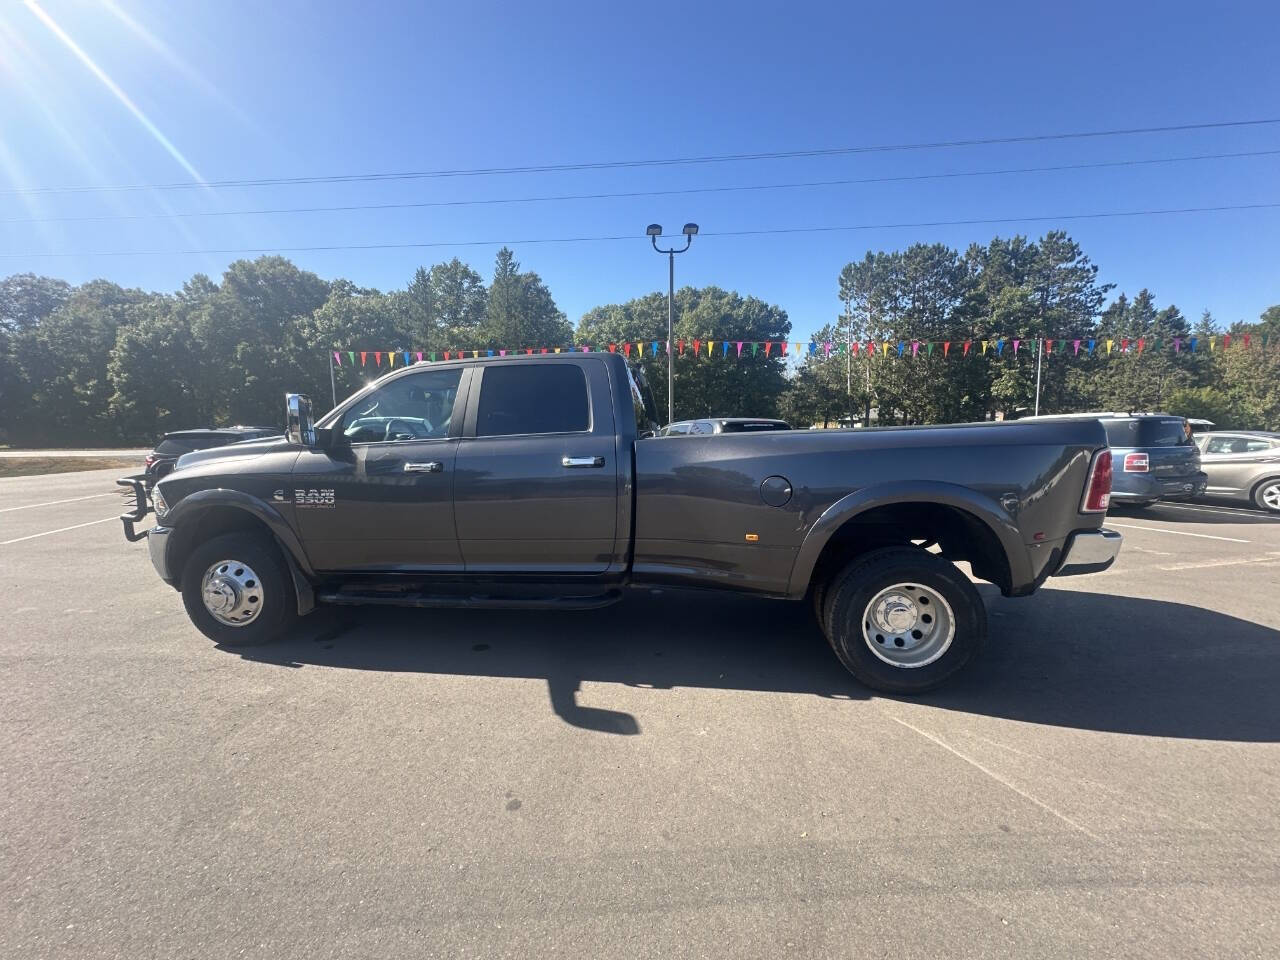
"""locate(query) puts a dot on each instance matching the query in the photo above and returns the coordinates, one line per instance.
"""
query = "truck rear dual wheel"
(903, 620)
(237, 590)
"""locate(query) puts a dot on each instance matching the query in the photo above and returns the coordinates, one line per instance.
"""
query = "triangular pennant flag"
(1016, 343)
(626, 349)
(489, 353)
(1048, 346)
(985, 344)
(1213, 342)
(813, 347)
(1092, 344)
(857, 347)
(406, 357)
(929, 348)
(885, 351)
(1246, 341)
(655, 347)
(364, 354)
(710, 344)
(586, 349)
(377, 355)
(739, 348)
(1226, 340)
(1177, 344)
(1194, 340)
(697, 347)
(528, 351)
(827, 347)
(967, 345)
(1142, 343)
(446, 354)
(1110, 344)
(1124, 344)
(946, 349)
(785, 344)
(337, 356)
(433, 356)
(680, 347)
(768, 345)
(351, 355)
(544, 350)
(1000, 347)
(1076, 344)
(502, 353)
(613, 348)
(724, 348)
(915, 347)
(558, 349)
(755, 348)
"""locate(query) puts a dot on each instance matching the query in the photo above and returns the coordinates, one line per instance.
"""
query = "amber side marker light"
(753, 537)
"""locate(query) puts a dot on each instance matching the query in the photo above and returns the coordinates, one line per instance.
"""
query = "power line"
(628, 164)
(271, 211)
(977, 221)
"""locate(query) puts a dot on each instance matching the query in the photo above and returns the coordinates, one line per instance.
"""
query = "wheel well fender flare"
(990, 513)
(187, 512)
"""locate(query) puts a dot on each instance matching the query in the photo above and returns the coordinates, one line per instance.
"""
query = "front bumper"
(1090, 551)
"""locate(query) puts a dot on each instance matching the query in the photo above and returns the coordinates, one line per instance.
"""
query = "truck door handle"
(434, 466)
(568, 461)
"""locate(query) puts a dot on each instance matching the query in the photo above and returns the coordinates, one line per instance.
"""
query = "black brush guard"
(136, 485)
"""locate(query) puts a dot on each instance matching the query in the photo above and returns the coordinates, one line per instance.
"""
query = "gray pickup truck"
(538, 481)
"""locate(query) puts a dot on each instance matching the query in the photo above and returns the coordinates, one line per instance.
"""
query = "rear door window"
(530, 398)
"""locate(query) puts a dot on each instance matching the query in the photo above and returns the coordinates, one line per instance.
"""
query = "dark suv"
(162, 459)
(1154, 455)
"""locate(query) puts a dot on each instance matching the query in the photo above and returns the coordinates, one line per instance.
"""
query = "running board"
(386, 598)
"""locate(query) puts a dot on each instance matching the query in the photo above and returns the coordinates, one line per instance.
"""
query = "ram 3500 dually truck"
(537, 481)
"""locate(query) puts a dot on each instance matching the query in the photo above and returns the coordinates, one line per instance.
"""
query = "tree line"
(102, 364)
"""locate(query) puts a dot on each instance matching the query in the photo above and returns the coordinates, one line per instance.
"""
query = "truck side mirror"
(298, 426)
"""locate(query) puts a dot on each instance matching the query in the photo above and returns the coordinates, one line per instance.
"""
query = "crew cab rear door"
(537, 489)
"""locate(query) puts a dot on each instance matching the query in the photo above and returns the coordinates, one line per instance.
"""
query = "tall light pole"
(653, 232)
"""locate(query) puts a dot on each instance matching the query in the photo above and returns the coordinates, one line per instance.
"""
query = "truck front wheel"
(903, 620)
(237, 591)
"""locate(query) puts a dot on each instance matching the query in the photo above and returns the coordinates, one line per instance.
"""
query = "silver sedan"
(1242, 465)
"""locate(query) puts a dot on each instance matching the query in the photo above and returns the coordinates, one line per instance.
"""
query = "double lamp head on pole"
(653, 232)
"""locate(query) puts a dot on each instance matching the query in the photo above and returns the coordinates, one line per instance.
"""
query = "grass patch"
(34, 466)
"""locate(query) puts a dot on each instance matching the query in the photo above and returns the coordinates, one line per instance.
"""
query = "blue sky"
(239, 89)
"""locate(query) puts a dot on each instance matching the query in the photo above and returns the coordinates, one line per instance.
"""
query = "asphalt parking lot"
(677, 776)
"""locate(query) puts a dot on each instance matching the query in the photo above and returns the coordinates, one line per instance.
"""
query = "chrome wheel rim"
(908, 625)
(1271, 496)
(232, 593)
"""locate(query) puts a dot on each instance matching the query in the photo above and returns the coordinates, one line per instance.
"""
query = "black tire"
(272, 587)
(1263, 490)
(849, 596)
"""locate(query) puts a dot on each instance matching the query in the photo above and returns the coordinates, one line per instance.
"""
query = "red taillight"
(1136, 463)
(1097, 492)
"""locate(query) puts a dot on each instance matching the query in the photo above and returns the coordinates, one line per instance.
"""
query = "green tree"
(64, 361)
(255, 327)
(722, 384)
(449, 307)
(521, 311)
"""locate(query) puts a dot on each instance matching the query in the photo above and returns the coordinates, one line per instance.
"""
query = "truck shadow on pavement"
(1064, 658)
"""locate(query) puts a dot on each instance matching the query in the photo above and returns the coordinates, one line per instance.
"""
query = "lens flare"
(111, 85)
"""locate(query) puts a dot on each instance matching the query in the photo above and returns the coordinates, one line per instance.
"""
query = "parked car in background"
(161, 460)
(712, 425)
(1242, 465)
(1200, 426)
(1155, 456)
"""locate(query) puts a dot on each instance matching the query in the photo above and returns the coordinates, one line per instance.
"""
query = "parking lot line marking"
(50, 503)
(5, 543)
(996, 777)
(1180, 533)
(1269, 558)
(1254, 515)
